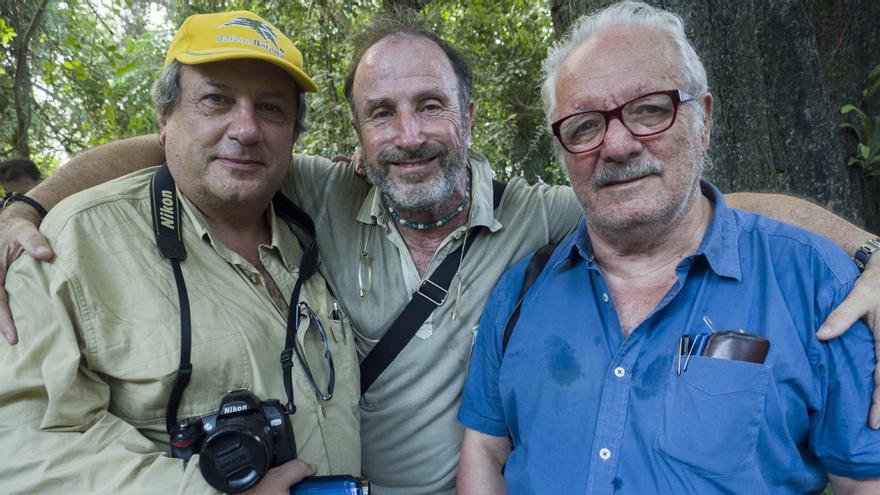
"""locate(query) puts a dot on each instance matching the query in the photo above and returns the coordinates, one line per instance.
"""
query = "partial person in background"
(411, 102)
(18, 175)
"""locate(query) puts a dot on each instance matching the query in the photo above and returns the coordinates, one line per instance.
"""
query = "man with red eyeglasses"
(668, 345)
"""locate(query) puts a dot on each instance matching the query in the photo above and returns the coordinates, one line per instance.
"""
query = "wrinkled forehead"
(615, 65)
(403, 61)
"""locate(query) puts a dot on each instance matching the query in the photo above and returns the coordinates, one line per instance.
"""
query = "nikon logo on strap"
(166, 214)
(166, 211)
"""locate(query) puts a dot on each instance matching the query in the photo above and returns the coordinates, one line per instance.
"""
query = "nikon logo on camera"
(234, 407)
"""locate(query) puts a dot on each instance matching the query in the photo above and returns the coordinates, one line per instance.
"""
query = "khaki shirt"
(410, 436)
(83, 395)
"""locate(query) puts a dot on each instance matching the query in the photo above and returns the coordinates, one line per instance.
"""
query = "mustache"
(628, 171)
(425, 151)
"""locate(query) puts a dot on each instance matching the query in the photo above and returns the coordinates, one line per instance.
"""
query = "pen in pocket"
(337, 315)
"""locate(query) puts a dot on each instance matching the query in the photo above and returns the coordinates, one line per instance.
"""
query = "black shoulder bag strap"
(430, 294)
(535, 267)
(165, 210)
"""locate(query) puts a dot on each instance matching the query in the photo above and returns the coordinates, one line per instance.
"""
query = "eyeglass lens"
(650, 114)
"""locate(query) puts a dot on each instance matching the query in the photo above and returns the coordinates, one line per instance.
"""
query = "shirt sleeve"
(481, 403)
(843, 369)
(55, 425)
(316, 184)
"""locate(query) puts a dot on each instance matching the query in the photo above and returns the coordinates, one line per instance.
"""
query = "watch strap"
(17, 196)
(864, 253)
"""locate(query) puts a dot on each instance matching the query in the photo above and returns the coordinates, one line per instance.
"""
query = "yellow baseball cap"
(204, 38)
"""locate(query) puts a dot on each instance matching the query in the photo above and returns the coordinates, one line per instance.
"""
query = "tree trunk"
(22, 89)
(415, 5)
(780, 70)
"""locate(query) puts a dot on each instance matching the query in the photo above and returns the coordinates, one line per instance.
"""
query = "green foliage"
(92, 63)
(90, 77)
(506, 42)
(867, 154)
(6, 32)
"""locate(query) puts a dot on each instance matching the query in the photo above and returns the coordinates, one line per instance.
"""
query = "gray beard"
(413, 194)
(660, 221)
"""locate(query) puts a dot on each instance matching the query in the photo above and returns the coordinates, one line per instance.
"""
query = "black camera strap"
(430, 294)
(165, 211)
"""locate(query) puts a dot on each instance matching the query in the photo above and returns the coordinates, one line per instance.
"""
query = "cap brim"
(303, 82)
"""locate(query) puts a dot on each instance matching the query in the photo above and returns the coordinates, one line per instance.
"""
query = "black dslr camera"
(238, 443)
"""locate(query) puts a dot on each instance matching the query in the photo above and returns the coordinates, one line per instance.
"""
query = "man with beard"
(605, 385)
(410, 96)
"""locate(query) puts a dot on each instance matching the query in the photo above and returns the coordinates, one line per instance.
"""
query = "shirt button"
(253, 278)
(605, 296)
(604, 454)
(619, 372)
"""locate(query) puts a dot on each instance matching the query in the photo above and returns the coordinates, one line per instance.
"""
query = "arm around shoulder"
(803, 214)
(98, 165)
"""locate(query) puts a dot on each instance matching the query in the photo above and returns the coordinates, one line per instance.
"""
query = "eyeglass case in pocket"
(737, 346)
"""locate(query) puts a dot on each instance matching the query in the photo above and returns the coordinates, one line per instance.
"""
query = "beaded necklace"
(433, 225)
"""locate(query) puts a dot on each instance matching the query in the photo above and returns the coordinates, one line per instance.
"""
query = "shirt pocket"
(712, 415)
(345, 362)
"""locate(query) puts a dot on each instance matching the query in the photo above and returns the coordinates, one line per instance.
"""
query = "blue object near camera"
(332, 485)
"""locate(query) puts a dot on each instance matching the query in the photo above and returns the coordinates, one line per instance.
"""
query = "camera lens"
(237, 454)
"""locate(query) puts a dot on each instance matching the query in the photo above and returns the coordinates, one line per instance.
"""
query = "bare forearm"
(803, 214)
(481, 463)
(98, 165)
(849, 486)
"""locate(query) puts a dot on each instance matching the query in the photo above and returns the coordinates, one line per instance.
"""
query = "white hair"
(625, 13)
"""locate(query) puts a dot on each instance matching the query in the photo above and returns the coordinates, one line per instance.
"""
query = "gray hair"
(166, 95)
(626, 13)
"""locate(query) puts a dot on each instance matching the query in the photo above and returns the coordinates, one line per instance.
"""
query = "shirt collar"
(281, 234)
(720, 245)
(482, 212)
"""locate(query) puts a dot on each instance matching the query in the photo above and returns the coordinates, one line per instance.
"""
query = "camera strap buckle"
(434, 292)
(287, 358)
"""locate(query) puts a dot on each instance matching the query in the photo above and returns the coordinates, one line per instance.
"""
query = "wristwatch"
(17, 196)
(864, 253)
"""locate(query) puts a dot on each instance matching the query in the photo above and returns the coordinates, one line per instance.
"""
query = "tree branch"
(22, 88)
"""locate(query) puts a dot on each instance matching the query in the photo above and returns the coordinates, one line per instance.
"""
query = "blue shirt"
(592, 412)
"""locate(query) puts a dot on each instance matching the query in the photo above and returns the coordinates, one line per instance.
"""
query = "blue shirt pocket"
(712, 415)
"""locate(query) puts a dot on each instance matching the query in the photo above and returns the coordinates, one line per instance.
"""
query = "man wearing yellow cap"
(171, 287)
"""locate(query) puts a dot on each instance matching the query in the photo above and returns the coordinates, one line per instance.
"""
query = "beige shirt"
(83, 395)
(410, 436)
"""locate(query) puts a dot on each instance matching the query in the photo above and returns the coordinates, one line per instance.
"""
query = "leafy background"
(92, 62)
(75, 74)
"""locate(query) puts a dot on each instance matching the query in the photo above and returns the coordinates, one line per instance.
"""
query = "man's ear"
(163, 122)
(707, 102)
(469, 120)
(355, 126)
